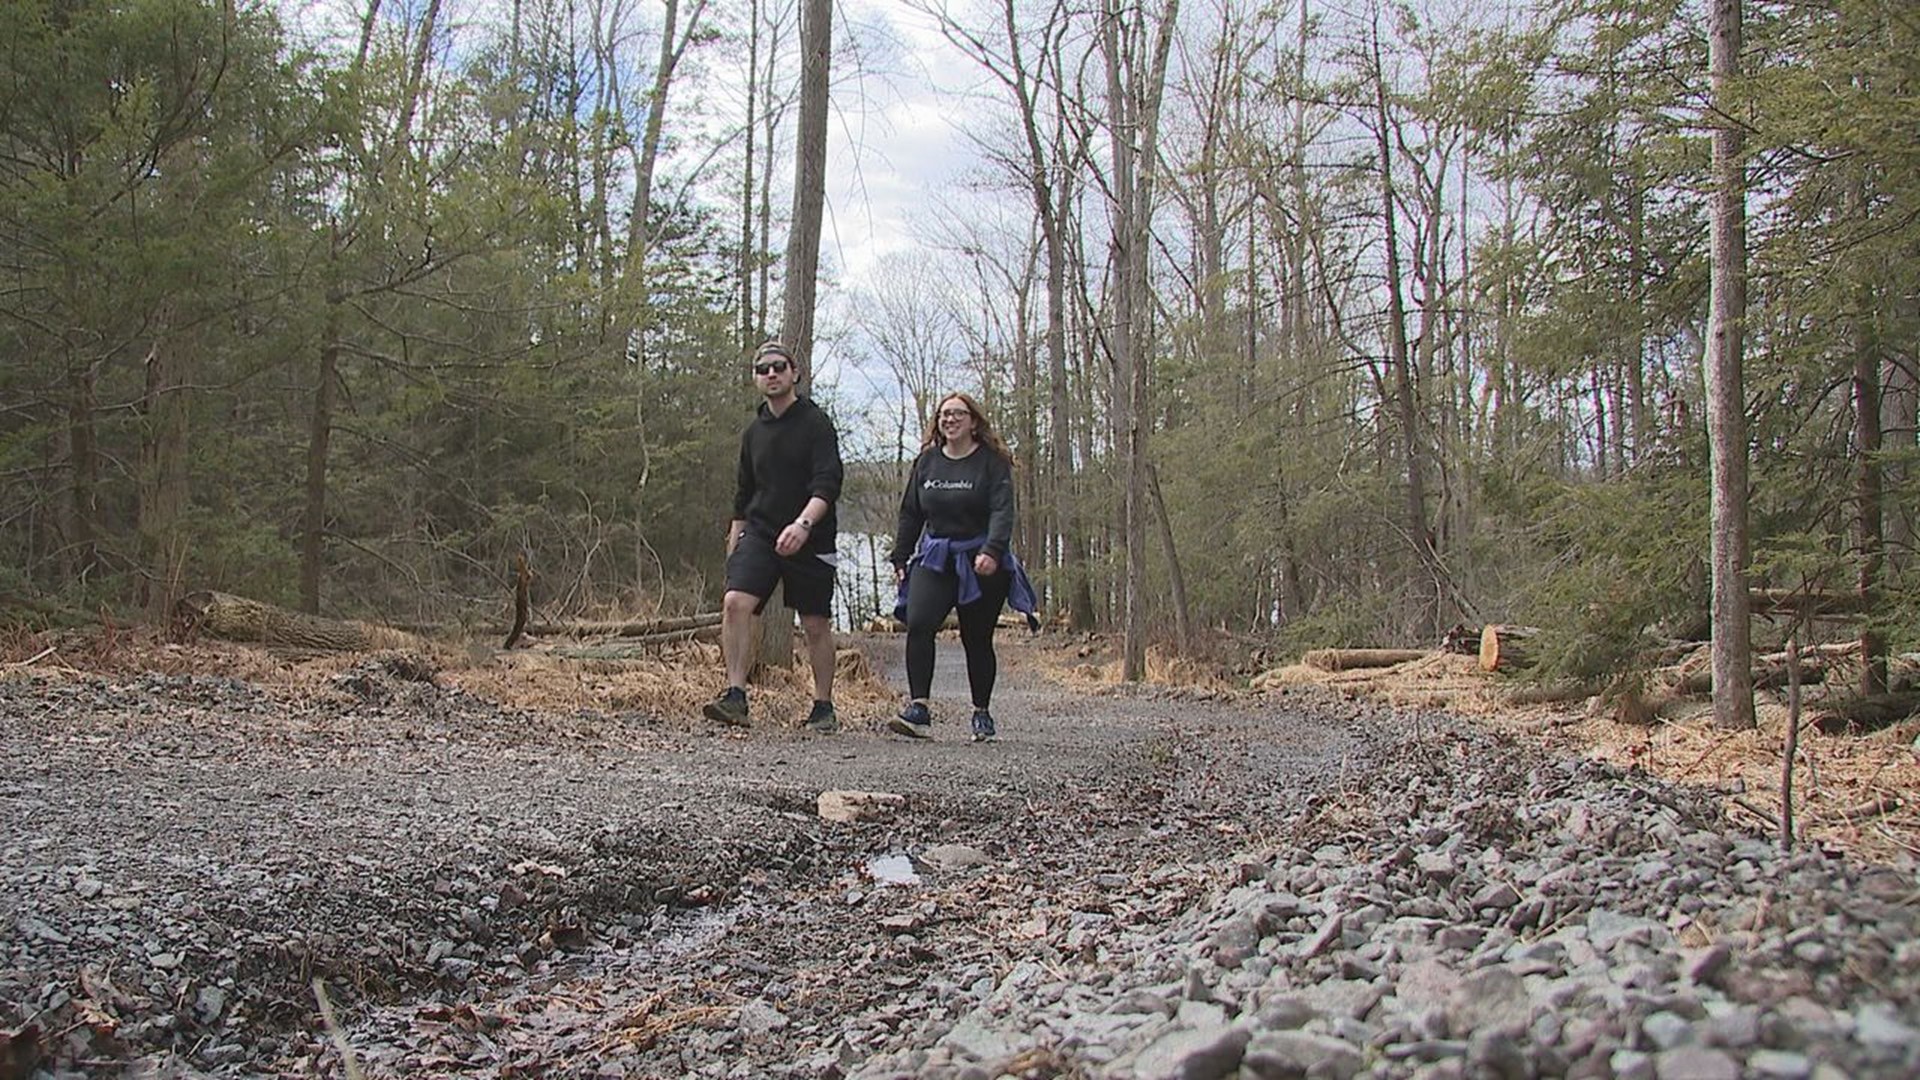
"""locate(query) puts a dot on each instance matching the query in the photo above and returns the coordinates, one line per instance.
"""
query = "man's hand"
(985, 565)
(792, 539)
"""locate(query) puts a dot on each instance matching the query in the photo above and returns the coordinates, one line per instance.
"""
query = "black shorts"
(755, 568)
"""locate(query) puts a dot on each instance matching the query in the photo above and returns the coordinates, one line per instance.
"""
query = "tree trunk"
(749, 329)
(319, 435)
(83, 457)
(1868, 485)
(1176, 577)
(1136, 79)
(163, 478)
(1354, 659)
(1637, 281)
(803, 253)
(1726, 395)
(1405, 394)
(1900, 418)
(809, 184)
(416, 80)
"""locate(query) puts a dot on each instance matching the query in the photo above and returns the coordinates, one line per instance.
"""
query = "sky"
(898, 141)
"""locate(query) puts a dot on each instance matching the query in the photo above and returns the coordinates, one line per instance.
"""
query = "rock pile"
(1473, 913)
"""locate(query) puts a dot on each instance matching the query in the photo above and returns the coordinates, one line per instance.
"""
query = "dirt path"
(183, 854)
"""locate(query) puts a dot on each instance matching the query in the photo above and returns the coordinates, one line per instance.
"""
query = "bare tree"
(1402, 373)
(906, 316)
(1136, 70)
(1732, 659)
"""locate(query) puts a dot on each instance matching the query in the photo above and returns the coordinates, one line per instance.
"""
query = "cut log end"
(1501, 647)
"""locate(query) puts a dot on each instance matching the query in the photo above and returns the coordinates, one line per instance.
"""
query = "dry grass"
(674, 682)
(1092, 664)
(1860, 793)
(670, 682)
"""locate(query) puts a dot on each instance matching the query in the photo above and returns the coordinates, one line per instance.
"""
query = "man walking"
(781, 534)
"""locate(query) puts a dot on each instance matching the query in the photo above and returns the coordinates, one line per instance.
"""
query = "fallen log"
(1350, 659)
(625, 628)
(1866, 713)
(1769, 670)
(1502, 648)
(237, 618)
(635, 648)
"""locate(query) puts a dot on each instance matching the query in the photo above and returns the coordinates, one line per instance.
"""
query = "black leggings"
(930, 595)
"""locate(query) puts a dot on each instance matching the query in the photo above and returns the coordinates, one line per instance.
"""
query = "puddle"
(892, 870)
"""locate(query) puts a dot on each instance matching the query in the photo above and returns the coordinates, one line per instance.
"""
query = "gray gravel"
(1138, 884)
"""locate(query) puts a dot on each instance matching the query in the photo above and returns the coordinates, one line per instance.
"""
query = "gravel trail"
(1149, 883)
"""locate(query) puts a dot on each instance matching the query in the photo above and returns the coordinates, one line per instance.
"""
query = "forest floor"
(521, 865)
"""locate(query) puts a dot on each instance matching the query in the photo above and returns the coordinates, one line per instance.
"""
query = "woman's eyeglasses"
(955, 414)
(771, 367)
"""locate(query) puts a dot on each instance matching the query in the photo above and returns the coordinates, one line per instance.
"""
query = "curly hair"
(982, 427)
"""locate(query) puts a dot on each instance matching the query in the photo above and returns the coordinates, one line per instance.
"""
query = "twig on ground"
(35, 658)
(1895, 839)
(1874, 807)
(334, 1032)
(1766, 820)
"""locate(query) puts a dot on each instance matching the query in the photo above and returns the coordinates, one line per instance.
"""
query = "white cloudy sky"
(898, 138)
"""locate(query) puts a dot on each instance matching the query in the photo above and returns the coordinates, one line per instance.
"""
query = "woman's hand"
(985, 565)
(899, 574)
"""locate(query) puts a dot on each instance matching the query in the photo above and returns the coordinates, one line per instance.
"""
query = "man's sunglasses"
(772, 367)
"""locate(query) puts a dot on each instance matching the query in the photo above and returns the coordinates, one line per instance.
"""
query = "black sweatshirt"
(958, 499)
(784, 461)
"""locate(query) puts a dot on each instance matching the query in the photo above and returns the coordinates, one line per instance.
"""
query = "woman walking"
(951, 551)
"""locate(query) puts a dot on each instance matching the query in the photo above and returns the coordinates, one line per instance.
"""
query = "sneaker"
(729, 708)
(822, 718)
(914, 721)
(982, 726)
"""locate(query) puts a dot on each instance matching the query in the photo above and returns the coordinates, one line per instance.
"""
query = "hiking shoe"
(822, 718)
(729, 708)
(914, 721)
(982, 726)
